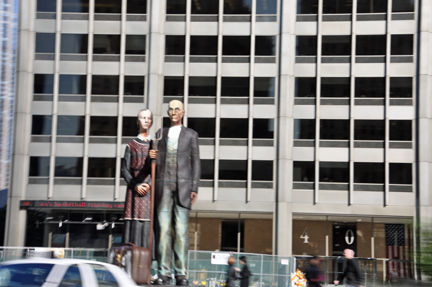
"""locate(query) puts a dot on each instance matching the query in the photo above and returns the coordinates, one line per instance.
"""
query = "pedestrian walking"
(232, 272)
(245, 273)
(314, 274)
(352, 272)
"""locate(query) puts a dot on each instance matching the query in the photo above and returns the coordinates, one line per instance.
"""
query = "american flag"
(397, 249)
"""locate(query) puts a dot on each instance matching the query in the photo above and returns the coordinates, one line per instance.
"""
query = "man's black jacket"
(352, 273)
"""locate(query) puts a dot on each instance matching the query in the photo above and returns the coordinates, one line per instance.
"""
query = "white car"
(43, 272)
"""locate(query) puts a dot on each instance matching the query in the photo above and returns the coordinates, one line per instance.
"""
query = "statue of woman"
(136, 170)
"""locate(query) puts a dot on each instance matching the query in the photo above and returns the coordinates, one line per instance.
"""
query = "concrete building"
(8, 20)
(313, 116)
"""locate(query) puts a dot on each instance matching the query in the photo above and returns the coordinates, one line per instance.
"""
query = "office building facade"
(313, 119)
(7, 85)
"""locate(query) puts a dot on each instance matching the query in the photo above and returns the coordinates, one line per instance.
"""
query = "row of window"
(231, 45)
(346, 6)
(365, 45)
(107, 126)
(102, 44)
(106, 168)
(174, 45)
(101, 6)
(374, 130)
(173, 6)
(400, 87)
(173, 86)
(364, 172)
(201, 7)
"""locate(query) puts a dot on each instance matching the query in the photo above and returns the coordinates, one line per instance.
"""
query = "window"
(105, 85)
(232, 170)
(136, 7)
(305, 87)
(103, 126)
(304, 129)
(264, 87)
(366, 172)
(402, 44)
(334, 129)
(235, 87)
(173, 86)
(136, 44)
(41, 125)
(236, 46)
(46, 6)
(306, 46)
(266, 6)
(107, 6)
(45, 42)
(205, 127)
(400, 130)
(334, 171)
(371, 6)
(262, 170)
(205, 7)
(337, 6)
(134, 85)
(265, 45)
(307, 6)
(263, 128)
(73, 84)
(68, 166)
(101, 167)
(129, 127)
(304, 171)
(39, 166)
(336, 45)
(106, 44)
(176, 6)
(234, 128)
(74, 43)
(370, 45)
(207, 169)
(104, 276)
(369, 130)
(401, 87)
(403, 6)
(174, 45)
(203, 45)
(369, 87)
(229, 236)
(70, 125)
(72, 277)
(202, 86)
(237, 6)
(75, 6)
(33, 274)
(400, 173)
(43, 84)
(335, 87)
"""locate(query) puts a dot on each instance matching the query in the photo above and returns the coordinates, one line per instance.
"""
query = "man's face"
(348, 253)
(176, 112)
(144, 120)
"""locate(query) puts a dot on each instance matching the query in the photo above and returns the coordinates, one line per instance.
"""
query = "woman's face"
(144, 120)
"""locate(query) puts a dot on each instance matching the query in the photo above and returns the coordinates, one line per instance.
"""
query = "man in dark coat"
(352, 271)
(245, 273)
(178, 171)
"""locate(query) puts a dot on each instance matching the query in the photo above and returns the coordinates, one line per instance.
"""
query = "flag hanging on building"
(396, 250)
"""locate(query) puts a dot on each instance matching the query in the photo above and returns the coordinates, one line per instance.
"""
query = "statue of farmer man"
(178, 172)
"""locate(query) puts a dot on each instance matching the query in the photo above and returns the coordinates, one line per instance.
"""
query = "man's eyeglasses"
(176, 110)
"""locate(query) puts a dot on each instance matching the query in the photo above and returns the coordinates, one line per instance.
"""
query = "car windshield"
(29, 275)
